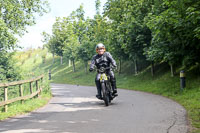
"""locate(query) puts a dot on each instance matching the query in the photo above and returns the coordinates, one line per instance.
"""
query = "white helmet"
(100, 45)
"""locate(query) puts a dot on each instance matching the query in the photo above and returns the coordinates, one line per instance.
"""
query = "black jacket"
(102, 60)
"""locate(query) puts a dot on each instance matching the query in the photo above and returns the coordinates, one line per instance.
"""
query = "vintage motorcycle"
(106, 89)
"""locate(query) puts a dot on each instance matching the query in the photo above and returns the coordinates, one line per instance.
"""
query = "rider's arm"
(113, 62)
(92, 62)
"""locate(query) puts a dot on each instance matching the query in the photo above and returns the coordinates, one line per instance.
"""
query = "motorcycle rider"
(103, 59)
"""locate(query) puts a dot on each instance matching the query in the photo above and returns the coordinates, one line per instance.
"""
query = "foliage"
(143, 31)
(7, 70)
(174, 27)
(15, 16)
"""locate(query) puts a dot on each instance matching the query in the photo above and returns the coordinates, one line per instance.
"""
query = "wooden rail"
(21, 97)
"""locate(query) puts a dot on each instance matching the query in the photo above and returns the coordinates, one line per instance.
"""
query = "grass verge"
(28, 106)
(27, 62)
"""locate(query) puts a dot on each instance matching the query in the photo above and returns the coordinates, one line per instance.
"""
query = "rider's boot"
(98, 85)
(114, 88)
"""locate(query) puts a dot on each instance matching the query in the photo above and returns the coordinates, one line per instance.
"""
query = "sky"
(59, 8)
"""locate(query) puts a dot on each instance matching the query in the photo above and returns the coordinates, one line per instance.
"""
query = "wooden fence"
(6, 86)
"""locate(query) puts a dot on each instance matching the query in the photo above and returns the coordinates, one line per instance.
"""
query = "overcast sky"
(59, 8)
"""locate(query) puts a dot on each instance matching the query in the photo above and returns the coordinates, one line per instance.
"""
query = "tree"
(59, 36)
(174, 27)
(85, 50)
(128, 18)
(71, 44)
(50, 42)
(15, 16)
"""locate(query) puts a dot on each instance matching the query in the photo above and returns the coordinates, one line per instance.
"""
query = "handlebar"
(103, 68)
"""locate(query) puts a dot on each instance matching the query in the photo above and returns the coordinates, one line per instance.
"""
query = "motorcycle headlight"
(102, 69)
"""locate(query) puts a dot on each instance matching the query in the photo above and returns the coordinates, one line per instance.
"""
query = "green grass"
(28, 106)
(26, 61)
(162, 83)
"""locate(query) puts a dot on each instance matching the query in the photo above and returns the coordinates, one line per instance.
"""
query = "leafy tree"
(49, 44)
(144, 31)
(97, 5)
(83, 29)
(58, 37)
(71, 44)
(128, 17)
(15, 16)
(175, 39)
(85, 50)
(8, 72)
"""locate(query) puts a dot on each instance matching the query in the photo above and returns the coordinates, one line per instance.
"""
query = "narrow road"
(74, 109)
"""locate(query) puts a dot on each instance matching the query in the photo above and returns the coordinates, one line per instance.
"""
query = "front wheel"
(105, 94)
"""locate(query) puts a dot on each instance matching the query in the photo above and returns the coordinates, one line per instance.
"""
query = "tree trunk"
(86, 64)
(172, 70)
(136, 67)
(61, 60)
(53, 58)
(120, 66)
(73, 63)
(152, 69)
(70, 63)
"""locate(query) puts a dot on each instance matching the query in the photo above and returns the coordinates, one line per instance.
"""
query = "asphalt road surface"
(75, 109)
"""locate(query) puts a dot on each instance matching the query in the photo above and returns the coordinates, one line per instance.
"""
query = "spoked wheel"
(105, 94)
(109, 93)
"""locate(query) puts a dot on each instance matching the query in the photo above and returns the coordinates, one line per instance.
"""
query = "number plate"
(103, 77)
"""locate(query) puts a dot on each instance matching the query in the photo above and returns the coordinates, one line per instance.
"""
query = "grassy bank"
(27, 61)
(162, 83)
(28, 106)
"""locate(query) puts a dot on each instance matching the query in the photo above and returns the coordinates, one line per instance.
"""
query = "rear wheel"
(105, 94)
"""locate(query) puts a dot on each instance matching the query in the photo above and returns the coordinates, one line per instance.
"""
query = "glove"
(91, 69)
(114, 67)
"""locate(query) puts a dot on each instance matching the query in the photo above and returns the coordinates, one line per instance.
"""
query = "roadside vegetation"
(27, 62)
(17, 108)
(15, 17)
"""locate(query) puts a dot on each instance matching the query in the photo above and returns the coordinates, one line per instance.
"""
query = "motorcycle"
(106, 89)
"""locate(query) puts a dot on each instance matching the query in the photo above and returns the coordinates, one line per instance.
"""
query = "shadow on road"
(58, 114)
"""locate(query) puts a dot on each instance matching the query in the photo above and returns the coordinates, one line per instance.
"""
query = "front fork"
(108, 88)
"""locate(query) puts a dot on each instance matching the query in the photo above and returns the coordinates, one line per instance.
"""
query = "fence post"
(37, 87)
(41, 83)
(182, 80)
(21, 92)
(5, 98)
(49, 74)
(31, 89)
